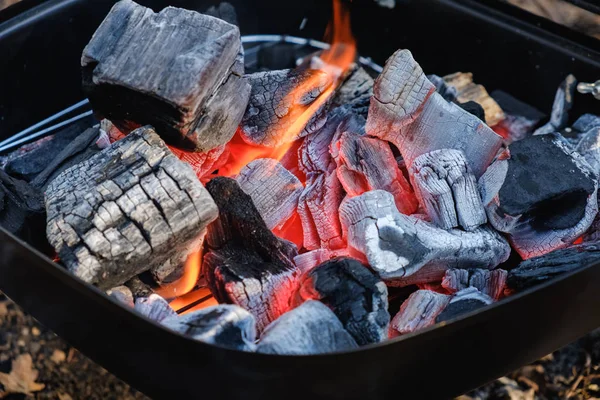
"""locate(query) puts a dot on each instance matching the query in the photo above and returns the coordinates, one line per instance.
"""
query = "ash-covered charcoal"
(274, 190)
(80, 149)
(355, 92)
(467, 300)
(520, 118)
(205, 163)
(543, 268)
(26, 165)
(223, 325)
(367, 163)
(138, 287)
(21, 209)
(563, 101)
(447, 189)
(122, 294)
(311, 259)
(586, 122)
(542, 193)
(589, 148)
(408, 112)
(406, 250)
(154, 307)
(318, 209)
(246, 264)
(354, 293)
(455, 280)
(177, 70)
(468, 92)
(130, 208)
(449, 93)
(490, 283)
(418, 311)
(311, 328)
(277, 100)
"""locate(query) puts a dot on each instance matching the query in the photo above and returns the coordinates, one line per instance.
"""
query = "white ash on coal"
(491, 283)
(154, 307)
(465, 301)
(418, 311)
(563, 102)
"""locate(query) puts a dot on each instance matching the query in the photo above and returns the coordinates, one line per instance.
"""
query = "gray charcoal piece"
(223, 325)
(467, 300)
(448, 92)
(122, 294)
(276, 103)
(418, 311)
(154, 307)
(455, 280)
(131, 208)
(542, 193)
(447, 189)
(177, 70)
(274, 190)
(407, 111)
(406, 250)
(354, 294)
(490, 283)
(355, 92)
(563, 102)
(311, 328)
(589, 148)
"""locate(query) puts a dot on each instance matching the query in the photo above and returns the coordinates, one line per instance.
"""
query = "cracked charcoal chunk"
(448, 190)
(275, 105)
(543, 268)
(122, 294)
(223, 325)
(246, 264)
(406, 250)
(274, 190)
(542, 193)
(131, 208)
(448, 92)
(406, 111)
(467, 300)
(177, 70)
(455, 279)
(366, 163)
(418, 311)
(563, 101)
(490, 283)
(354, 294)
(589, 148)
(311, 328)
(355, 92)
(154, 307)
(205, 163)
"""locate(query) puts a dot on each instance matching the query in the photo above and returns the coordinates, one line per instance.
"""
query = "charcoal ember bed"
(270, 198)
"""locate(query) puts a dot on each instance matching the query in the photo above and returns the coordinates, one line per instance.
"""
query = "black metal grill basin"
(504, 47)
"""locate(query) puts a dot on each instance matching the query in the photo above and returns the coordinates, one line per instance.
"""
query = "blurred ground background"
(36, 364)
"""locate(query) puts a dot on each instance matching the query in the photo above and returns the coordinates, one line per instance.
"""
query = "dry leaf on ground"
(22, 377)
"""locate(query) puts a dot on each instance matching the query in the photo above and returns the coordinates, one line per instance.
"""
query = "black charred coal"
(449, 93)
(467, 300)
(541, 269)
(246, 264)
(513, 106)
(22, 210)
(473, 108)
(223, 325)
(354, 294)
(563, 101)
(81, 148)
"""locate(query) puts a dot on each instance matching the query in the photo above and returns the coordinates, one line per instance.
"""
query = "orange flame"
(187, 282)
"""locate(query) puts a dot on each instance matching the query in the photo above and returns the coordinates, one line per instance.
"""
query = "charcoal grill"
(40, 44)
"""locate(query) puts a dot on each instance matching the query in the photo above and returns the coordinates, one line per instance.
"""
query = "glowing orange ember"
(187, 282)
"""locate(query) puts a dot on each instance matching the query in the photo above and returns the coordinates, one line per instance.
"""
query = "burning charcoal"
(122, 294)
(246, 264)
(520, 118)
(405, 250)
(274, 190)
(311, 259)
(356, 92)
(311, 328)
(589, 148)
(543, 268)
(449, 93)
(563, 101)
(356, 296)
(406, 111)
(366, 163)
(455, 280)
(540, 192)
(586, 122)
(470, 92)
(447, 189)
(138, 288)
(21, 209)
(154, 307)
(177, 70)
(465, 301)
(418, 311)
(80, 149)
(490, 283)
(130, 208)
(205, 163)
(223, 325)
(277, 100)
(318, 208)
